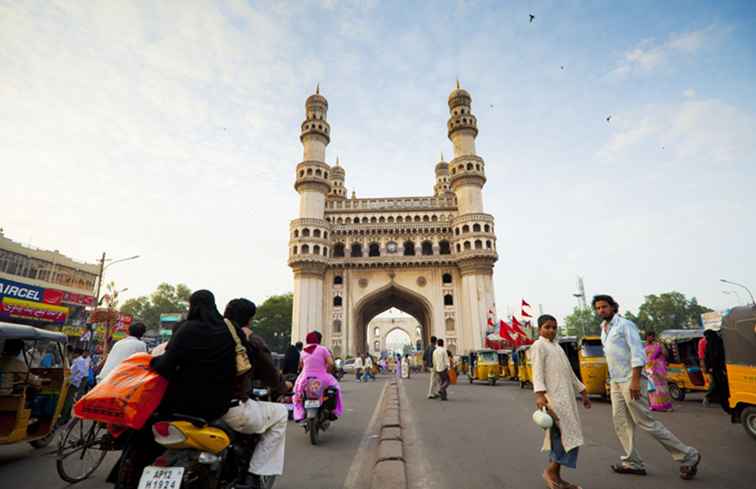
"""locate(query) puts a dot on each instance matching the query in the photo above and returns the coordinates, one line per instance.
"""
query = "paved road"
(483, 437)
(325, 466)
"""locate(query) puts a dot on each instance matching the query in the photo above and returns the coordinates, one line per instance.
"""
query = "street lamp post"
(739, 285)
(98, 299)
(104, 267)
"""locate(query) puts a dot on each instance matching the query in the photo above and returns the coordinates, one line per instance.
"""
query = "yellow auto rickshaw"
(684, 367)
(524, 370)
(34, 378)
(594, 371)
(739, 338)
(484, 365)
(512, 366)
(504, 371)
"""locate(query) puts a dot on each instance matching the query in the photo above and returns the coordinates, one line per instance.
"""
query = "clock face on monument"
(391, 247)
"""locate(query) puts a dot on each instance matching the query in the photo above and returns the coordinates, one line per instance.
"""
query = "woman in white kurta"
(556, 387)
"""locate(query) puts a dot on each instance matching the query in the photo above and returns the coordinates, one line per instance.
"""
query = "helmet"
(543, 419)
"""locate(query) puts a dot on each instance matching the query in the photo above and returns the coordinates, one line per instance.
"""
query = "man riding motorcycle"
(268, 419)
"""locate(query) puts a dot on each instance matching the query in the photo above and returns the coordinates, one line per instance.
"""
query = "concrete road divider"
(390, 471)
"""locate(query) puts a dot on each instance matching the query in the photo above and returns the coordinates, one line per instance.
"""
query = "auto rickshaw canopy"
(19, 331)
(739, 335)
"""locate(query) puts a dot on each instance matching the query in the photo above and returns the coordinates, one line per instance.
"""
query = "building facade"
(432, 257)
(43, 287)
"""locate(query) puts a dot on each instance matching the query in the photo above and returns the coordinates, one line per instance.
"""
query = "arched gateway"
(431, 257)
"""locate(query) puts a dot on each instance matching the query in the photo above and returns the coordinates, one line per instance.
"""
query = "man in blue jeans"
(626, 357)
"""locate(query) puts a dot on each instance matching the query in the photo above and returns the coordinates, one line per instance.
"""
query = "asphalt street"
(484, 437)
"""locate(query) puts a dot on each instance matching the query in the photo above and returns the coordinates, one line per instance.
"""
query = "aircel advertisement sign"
(9, 288)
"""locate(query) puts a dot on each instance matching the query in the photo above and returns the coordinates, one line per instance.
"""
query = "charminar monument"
(354, 258)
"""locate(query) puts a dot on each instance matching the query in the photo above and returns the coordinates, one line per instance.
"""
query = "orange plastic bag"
(127, 396)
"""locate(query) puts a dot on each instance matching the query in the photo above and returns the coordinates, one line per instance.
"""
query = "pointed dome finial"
(442, 156)
(337, 160)
(458, 87)
(317, 88)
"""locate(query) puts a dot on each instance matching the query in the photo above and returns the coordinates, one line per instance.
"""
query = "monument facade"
(430, 256)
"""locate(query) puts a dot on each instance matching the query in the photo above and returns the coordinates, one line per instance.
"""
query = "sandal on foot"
(553, 484)
(627, 469)
(687, 472)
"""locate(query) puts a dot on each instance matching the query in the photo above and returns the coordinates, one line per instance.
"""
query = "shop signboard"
(23, 309)
(17, 290)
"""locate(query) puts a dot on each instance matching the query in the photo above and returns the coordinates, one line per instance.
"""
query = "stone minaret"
(442, 187)
(474, 238)
(309, 234)
(338, 191)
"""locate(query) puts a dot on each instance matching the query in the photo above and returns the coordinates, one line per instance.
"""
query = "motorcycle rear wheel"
(313, 427)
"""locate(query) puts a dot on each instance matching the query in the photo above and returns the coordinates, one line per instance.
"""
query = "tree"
(166, 299)
(670, 310)
(273, 321)
(582, 322)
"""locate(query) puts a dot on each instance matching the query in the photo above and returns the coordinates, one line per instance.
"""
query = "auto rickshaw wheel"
(748, 418)
(43, 442)
(676, 393)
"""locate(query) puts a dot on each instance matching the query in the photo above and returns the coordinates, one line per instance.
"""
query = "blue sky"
(170, 129)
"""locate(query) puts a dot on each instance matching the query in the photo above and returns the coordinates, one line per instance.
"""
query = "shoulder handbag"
(243, 365)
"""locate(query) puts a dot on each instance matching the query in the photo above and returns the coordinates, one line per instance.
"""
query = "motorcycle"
(203, 455)
(319, 406)
(339, 373)
(288, 398)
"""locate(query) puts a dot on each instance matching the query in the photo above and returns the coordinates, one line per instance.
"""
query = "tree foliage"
(582, 322)
(166, 299)
(273, 321)
(670, 310)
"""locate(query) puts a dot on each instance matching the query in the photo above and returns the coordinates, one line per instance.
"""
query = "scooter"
(319, 405)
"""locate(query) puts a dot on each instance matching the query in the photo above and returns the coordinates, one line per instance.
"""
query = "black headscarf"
(202, 308)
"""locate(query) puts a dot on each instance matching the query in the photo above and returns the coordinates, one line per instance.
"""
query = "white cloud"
(690, 93)
(710, 131)
(648, 55)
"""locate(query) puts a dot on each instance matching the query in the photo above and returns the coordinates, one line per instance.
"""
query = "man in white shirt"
(369, 368)
(358, 368)
(124, 348)
(441, 367)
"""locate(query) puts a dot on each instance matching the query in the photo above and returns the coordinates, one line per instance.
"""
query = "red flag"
(516, 327)
(504, 331)
(525, 313)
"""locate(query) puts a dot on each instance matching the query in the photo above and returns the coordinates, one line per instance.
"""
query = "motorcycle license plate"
(161, 478)
(310, 404)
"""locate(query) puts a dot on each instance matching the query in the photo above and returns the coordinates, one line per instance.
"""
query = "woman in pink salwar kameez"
(656, 371)
(315, 362)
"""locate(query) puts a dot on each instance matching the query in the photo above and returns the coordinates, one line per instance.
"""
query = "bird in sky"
(608, 118)
(532, 18)
(492, 106)
(562, 67)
